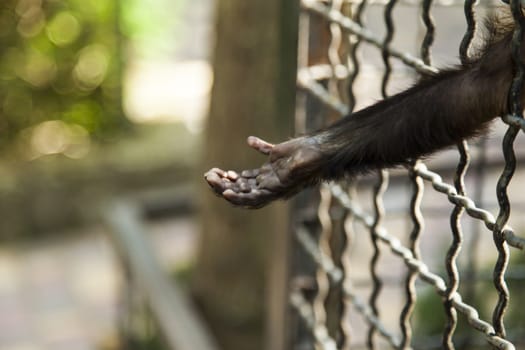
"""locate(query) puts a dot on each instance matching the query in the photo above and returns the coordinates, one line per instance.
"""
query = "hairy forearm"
(436, 113)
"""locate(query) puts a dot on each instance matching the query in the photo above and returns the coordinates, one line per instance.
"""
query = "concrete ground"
(63, 294)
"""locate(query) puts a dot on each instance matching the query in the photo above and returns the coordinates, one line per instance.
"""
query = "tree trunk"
(243, 252)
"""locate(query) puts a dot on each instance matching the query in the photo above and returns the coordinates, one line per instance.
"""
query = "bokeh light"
(91, 67)
(55, 136)
(63, 29)
(39, 70)
(57, 56)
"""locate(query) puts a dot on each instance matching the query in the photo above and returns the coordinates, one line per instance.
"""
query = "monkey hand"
(289, 168)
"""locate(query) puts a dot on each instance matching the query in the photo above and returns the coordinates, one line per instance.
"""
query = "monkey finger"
(217, 183)
(232, 175)
(245, 186)
(254, 199)
(212, 177)
(260, 145)
(217, 171)
(269, 182)
(250, 173)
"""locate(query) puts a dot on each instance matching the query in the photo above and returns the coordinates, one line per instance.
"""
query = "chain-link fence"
(392, 291)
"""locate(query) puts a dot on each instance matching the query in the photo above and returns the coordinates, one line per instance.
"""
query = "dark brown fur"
(438, 112)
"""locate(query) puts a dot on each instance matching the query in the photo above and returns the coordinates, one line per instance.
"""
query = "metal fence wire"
(334, 312)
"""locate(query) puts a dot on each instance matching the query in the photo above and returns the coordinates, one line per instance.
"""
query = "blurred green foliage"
(60, 62)
(153, 26)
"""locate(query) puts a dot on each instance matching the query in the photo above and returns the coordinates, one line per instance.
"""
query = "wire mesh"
(332, 84)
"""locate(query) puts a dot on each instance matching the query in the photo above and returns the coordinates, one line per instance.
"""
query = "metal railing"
(330, 293)
(156, 311)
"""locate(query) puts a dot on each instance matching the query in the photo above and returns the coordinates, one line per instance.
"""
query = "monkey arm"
(428, 117)
(436, 113)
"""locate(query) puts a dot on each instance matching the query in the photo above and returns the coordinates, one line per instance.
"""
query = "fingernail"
(233, 175)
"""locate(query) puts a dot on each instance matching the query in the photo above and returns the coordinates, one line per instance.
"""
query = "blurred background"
(100, 101)
(110, 238)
